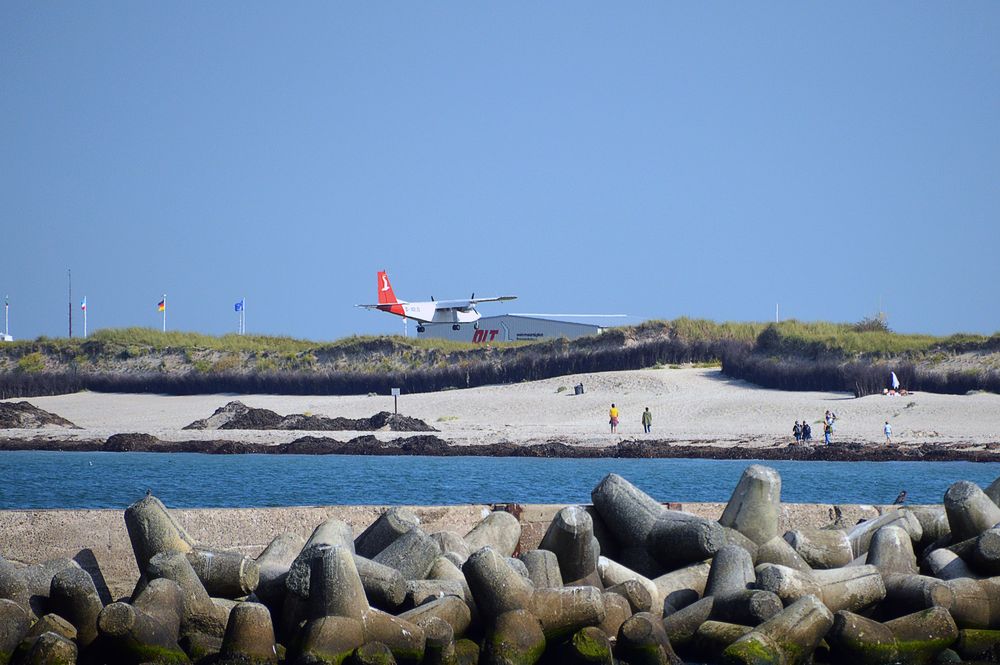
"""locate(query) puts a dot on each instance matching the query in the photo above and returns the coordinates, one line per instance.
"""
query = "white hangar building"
(508, 328)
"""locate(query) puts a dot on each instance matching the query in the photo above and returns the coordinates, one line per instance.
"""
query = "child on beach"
(888, 433)
(613, 414)
(647, 420)
(827, 431)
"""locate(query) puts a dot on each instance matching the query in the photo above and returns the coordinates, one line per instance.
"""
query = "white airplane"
(455, 312)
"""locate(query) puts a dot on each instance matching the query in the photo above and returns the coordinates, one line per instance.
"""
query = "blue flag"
(239, 306)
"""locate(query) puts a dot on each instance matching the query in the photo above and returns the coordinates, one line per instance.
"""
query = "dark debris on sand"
(237, 415)
(433, 446)
(23, 415)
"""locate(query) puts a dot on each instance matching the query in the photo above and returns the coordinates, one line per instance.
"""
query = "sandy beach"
(689, 405)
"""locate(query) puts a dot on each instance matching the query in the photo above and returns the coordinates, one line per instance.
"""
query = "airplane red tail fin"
(385, 293)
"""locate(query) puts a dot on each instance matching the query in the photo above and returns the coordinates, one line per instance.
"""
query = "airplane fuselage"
(428, 312)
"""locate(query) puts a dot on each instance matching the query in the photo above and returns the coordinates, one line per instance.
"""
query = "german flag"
(160, 306)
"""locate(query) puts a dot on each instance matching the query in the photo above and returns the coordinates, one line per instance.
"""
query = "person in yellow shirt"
(613, 413)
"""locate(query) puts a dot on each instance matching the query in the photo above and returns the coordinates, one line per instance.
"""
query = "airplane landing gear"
(456, 327)
(420, 329)
(475, 326)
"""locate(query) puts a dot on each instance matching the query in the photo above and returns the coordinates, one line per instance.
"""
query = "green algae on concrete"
(466, 652)
(591, 645)
(516, 639)
(975, 643)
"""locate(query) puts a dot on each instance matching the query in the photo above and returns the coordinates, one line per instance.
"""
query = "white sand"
(688, 405)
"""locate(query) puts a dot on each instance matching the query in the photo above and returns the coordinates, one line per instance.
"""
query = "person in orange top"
(613, 413)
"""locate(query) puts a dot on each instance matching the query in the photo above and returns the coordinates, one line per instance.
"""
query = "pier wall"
(98, 541)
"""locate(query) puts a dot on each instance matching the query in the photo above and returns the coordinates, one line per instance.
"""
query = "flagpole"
(243, 316)
(85, 316)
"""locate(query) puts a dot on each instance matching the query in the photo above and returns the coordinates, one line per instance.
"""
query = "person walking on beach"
(797, 432)
(647, 420)
(888, 433)
(827, 431)
(613, 415)
(807, 431)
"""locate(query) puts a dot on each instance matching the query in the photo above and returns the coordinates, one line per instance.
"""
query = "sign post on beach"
(395, 400)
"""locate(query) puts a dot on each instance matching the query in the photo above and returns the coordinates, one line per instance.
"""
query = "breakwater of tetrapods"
(623, 578)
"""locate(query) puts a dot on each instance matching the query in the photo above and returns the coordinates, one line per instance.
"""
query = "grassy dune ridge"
(788, 355)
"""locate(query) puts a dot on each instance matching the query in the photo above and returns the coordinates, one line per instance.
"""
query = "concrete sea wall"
(98, 541)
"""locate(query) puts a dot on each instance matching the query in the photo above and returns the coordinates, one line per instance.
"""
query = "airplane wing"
(469, 302)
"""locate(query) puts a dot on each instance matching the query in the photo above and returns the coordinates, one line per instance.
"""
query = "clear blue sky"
(658, 159)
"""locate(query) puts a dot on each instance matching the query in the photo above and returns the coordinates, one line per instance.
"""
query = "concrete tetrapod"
(49, 623)
(678, 539)
(986, 553)
(789, 638)
(419, 592)
(777, 550)
(495, 586)
(331, 533)
(891, 551)
(516, 638)
(570, 537)
(682, 625)
(861, 534)
(336, 591)
(50, 649)
(249, 638)
(628, 512)
(616, 612)
(564, 611)
(683, 586)
(839, 589)
(970, 511)
(635, 593)
(714, 637)
(384, 586)
(29, 585)
(754, 509)
(412, 554)
(153, 530)
(444, 569)
(200, 614)
(273, 564)
(449, 609)
(133, 635)
(642, 640)
(381, 533)
(74, 596)
(821, 548)
(543, 568)
(946, 565)
(499, 530)
(373, 653)
(14, 624)
(982, 645)
(452, 543)
(225, 574)
(440, 646)
(329, 641)
(914, 639)
(587, 645)
(612, 573)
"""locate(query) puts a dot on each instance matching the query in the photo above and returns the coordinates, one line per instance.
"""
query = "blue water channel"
(32, 480)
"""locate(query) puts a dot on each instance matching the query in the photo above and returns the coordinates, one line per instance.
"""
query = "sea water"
(35, 480)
